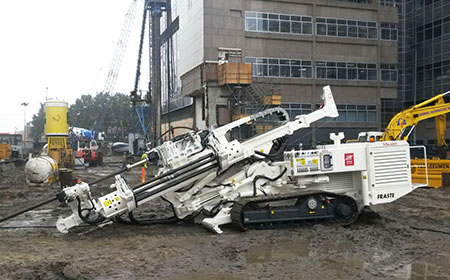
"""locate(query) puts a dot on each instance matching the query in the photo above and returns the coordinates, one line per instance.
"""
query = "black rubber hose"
(28, 209)
(108, 176)
(134, 221)
(86, 220)
(258, 177)
(39, 204)
(430, 230)
(276, 153)
(169, 220)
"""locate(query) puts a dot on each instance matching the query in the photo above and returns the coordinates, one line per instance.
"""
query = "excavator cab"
(369, 136)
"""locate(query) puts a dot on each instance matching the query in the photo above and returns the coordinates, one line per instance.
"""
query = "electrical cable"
(430, 230)
(173, 128)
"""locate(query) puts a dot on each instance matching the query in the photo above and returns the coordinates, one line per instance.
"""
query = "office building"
(295, 48)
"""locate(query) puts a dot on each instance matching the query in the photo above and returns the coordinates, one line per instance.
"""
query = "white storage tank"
(41, 171)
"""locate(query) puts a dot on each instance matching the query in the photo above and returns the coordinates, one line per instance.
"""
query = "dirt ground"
(403, 242)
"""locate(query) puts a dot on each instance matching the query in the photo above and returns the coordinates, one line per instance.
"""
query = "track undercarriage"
(293, 209)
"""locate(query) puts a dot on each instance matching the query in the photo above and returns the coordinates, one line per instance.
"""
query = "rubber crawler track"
(244, 204)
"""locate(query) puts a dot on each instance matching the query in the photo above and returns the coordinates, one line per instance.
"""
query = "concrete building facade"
(296, 47)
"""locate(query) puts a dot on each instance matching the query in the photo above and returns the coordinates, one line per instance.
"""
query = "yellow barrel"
(56, 118)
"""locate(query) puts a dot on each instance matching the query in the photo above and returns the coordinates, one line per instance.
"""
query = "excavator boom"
(396, 129)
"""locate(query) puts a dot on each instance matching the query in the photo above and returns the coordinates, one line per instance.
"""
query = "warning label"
(349, 159)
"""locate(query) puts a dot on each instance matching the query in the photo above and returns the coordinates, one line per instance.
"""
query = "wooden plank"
(234, 73)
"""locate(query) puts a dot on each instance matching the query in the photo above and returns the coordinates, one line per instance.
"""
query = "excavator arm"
(409, 118)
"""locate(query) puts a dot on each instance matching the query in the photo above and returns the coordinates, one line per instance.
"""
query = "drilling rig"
(254, 184)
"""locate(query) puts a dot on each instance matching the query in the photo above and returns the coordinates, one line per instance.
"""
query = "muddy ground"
(406, 241)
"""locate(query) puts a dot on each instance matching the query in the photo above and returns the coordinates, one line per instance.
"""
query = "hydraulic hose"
(258, 177)
(276, 153)
(169, 220)
(86, 220)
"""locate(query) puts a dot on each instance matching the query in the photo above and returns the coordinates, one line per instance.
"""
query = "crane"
(121, 46)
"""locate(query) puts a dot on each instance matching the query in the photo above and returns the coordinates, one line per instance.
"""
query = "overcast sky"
(64, 45)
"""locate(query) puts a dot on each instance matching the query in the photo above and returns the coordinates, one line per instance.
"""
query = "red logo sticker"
(349, 159)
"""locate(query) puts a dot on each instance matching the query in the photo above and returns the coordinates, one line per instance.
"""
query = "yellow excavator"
(401, 126)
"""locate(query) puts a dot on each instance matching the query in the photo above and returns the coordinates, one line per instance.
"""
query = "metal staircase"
(250, 100)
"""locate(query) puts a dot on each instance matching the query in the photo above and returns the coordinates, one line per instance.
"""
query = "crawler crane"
(217, 181)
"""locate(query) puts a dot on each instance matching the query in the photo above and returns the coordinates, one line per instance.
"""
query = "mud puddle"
(282, 250)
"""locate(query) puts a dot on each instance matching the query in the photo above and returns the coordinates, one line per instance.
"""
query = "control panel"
(308, 161)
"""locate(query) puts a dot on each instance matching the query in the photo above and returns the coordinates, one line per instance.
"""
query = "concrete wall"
(191, 34)
(182, 117)
(224, 26)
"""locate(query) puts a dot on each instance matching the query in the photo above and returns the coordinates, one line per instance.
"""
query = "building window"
(296, 109)
(420, 4)
(390, 3)
(333, 70)
(356, 113)
(346, 28)
(389, 31)
(433, 29)
(389, 72)
(434, 71)
(280, 67)
(278, 23)
(357, 1)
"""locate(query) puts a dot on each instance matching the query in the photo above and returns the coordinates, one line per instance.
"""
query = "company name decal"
(385, 195)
